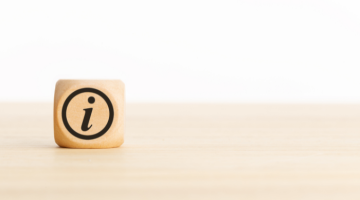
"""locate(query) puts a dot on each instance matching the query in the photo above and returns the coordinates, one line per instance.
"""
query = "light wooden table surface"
(189, 152)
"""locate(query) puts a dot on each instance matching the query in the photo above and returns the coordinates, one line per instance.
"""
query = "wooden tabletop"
(188, 151)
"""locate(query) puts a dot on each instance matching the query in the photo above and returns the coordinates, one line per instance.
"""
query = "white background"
(184, 51)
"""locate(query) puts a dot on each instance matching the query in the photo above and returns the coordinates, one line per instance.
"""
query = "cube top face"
(89, 113)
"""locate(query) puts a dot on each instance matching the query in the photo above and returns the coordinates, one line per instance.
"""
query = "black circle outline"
(104, 130)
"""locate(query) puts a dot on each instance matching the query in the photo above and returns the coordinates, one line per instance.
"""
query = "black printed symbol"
(88, 111)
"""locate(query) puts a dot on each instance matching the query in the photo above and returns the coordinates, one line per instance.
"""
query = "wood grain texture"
(188, 151)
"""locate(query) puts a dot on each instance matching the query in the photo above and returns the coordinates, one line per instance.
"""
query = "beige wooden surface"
(188, 152)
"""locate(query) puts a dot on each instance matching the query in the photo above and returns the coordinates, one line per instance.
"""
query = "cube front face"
(89, 113)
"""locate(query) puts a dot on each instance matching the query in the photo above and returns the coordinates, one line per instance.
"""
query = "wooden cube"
(89, 113)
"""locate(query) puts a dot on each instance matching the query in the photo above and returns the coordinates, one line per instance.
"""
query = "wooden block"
(89, 113)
